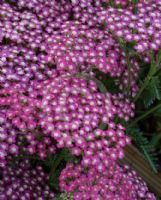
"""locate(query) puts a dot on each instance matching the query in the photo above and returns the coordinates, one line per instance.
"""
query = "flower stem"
(56, 163)
(141, 117)
(129, 74)
(153, 69)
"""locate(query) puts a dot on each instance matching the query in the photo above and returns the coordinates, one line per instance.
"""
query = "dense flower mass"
(143, 28)
(51, 55)
(49, 35)
(65, 111)
(116, 182)
(22, 65)
(24, 28)
(19, 132)
(8, 139)
(21, 181)
(76, 46)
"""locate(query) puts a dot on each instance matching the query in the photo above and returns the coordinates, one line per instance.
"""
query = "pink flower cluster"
(15, 142)
(79, 41)
(76, 46)
(30, 22)
(116, 183)
(22, 65)
(21, 181)
(124, 108)
(65, 111)
(8, 139)
(119, 2)
(143, 28)
(23, 32)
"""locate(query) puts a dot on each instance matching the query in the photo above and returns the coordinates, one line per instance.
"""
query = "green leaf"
(152, 92)
(145, 147)
(130, 45)
(149, 158)
(100, 85)
(58, 198)
(110, 84)
(64, 196)
(104, 4)
(103, 126)
(135, 10)
(156, 139)
(68, 157)
(158, 59)
(56, 166)
(151, 74)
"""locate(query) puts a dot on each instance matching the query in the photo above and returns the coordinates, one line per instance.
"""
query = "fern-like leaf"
(144, 146)
(152, 92)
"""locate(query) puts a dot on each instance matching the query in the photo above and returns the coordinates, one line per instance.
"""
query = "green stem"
(103, 126)
(100, 85)
(129, 74)
(141, 117)
(56, 163)
(156, 139)
(153, 69)
(149, 159)
(146, 82)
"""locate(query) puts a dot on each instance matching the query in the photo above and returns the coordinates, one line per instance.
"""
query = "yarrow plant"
(55, 59)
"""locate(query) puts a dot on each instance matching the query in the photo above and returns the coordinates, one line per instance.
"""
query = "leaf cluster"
(144, 146)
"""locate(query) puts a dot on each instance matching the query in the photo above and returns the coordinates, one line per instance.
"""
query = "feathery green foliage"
(144, 146)
(152, 92)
